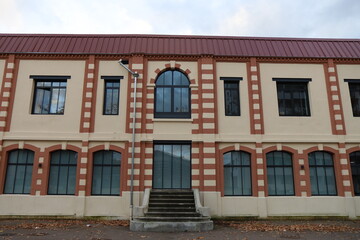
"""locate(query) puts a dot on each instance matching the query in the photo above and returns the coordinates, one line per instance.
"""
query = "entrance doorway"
(172, 165)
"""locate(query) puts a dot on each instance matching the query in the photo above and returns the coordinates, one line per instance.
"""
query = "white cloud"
(10, 16)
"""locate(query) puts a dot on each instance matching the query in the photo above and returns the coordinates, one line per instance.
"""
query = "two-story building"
(260, 126)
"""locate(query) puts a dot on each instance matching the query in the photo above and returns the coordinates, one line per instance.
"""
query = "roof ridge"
(178, 37)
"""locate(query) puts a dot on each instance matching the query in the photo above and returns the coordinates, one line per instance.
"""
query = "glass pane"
(227, 159)
(184, 80)
(10, 179)
(108, 98)
(107, 157)
(186, 166)
(54, 100)
(168, 78)
(159, 99)
(236, 158)
(116, 158)
(185, 100)
(63, 180)
(106, 183)
(279, 178)
(177, 78)
(167, 170)
(64, 157)
(314, 182)
(287, 159)
(38, 100)
(115, 181)
(319, 156)
(246, 181)
(270, 159)
(328, 159)
(237, 181)
(177, 100)
(28, 177)
(312, 161)
(96, 181)
(176, 166)
(115, 101)
(228, 186)
(320, 171)
(271, 181)
(72, 157)
(289, 181)
(98, 158)
(45, 107)
(245, 159)
(160, 80)
(278, 160)
(53, 179)
(158, 166)
(167, 99)
(61, 101)
(20, 178)
(330, 179)
(71, 180)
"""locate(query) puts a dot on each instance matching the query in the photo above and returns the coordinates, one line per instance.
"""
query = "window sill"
(172, 119)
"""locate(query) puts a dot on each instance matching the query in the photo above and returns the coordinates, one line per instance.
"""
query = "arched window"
(19, 172)
(237, 173)
(322, 176)
(172, 95)
(106, 173)
(279, 173)
(355, 171)
(62, 178)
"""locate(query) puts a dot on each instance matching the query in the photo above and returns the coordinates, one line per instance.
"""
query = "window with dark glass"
(106, 173)
(237, 173)
(355, 171)
(354, 88)
(111, 94)
(172, 95)
(62, 177)
(322, 176)
(172, 165)
(19, 172)
(49, 94)
(279, 173)
(293, 99)
(231, 95)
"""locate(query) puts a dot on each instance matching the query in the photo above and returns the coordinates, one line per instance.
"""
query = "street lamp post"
(135, 75)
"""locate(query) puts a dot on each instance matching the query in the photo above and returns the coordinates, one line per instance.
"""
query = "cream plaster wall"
(316, 124)
(25, 122)
(2, 68)
(352, 123)
(232, 126)
(112, 124)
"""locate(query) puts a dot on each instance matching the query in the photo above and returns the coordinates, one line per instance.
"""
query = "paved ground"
(242, 230)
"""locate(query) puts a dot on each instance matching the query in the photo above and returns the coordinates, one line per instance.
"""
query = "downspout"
(135, 75)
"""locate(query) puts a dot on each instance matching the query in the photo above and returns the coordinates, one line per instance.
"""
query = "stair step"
(172, 196)
(172, 219)
(171, 200)
(172, 209)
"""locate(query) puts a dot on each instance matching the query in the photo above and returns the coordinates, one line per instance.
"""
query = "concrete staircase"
(172, 211)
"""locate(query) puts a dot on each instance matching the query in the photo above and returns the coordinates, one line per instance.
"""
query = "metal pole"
(135, 75)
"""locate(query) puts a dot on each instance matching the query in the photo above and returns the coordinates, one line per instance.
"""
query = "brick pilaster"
(255, 99)
(334, 98)
(87, 120)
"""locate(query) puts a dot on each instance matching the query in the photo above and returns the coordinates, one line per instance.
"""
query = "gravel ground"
(242, 230)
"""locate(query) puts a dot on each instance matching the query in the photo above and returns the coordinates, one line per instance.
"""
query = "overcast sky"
(263, 18)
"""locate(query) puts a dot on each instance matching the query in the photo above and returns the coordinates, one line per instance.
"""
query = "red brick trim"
(337, 169)
(332, 103)
(90, 161)
(89, 100)
(255, 122)
(254, 176)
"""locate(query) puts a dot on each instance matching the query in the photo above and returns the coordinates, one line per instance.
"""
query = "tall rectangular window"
(354, 88)
(231, 96)
(62, 177)
(49, 94)
(111, 94)
(293, 98)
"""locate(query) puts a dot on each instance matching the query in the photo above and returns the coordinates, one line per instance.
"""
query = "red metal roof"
(179, 45)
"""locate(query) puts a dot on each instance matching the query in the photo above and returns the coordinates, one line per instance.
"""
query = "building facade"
(261, 126)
